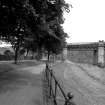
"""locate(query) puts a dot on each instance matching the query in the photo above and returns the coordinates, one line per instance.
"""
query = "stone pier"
(64, 54)
(101, 54)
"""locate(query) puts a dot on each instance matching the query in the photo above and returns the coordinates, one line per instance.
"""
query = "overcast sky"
(86, 21)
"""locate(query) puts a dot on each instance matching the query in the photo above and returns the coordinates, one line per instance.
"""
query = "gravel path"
(86, 87)
(22, 87)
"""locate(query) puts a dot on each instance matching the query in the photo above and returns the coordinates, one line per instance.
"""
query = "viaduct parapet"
(97, 49)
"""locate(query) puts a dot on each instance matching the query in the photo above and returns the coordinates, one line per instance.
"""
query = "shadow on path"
(20, 87)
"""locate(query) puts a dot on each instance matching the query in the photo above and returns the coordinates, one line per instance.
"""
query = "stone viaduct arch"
(98, 49)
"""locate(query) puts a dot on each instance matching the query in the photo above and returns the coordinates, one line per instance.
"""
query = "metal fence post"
(55, 88)
(51, 71)
(69, 101)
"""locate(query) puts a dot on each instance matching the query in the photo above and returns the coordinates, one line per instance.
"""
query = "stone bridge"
(97, 49)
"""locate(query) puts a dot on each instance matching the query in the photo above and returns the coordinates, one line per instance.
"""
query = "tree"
(9, 54)
(39, 20)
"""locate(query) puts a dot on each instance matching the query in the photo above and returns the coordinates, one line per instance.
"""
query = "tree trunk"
(39, 53)
(33, 55)
(48, 56)
(27, 52)
(16, 55)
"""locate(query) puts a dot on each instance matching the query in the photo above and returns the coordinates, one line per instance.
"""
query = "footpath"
(22, 86)
(86, 82)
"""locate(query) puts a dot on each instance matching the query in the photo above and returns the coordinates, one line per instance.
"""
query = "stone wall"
(81, 56)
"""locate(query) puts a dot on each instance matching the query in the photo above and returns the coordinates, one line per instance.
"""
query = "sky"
(86, 21)
(4, 44)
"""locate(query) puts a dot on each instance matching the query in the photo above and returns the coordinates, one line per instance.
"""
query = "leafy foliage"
(37, 22)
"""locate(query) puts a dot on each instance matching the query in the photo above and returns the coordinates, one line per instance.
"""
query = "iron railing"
(53, 86)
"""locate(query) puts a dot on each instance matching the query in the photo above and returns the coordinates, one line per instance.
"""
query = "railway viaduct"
(97, 50)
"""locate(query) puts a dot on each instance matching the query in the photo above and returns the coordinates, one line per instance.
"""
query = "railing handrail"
(67, 97)
(62, 91)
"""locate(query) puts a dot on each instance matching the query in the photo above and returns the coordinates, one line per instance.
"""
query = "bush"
(6, 57)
